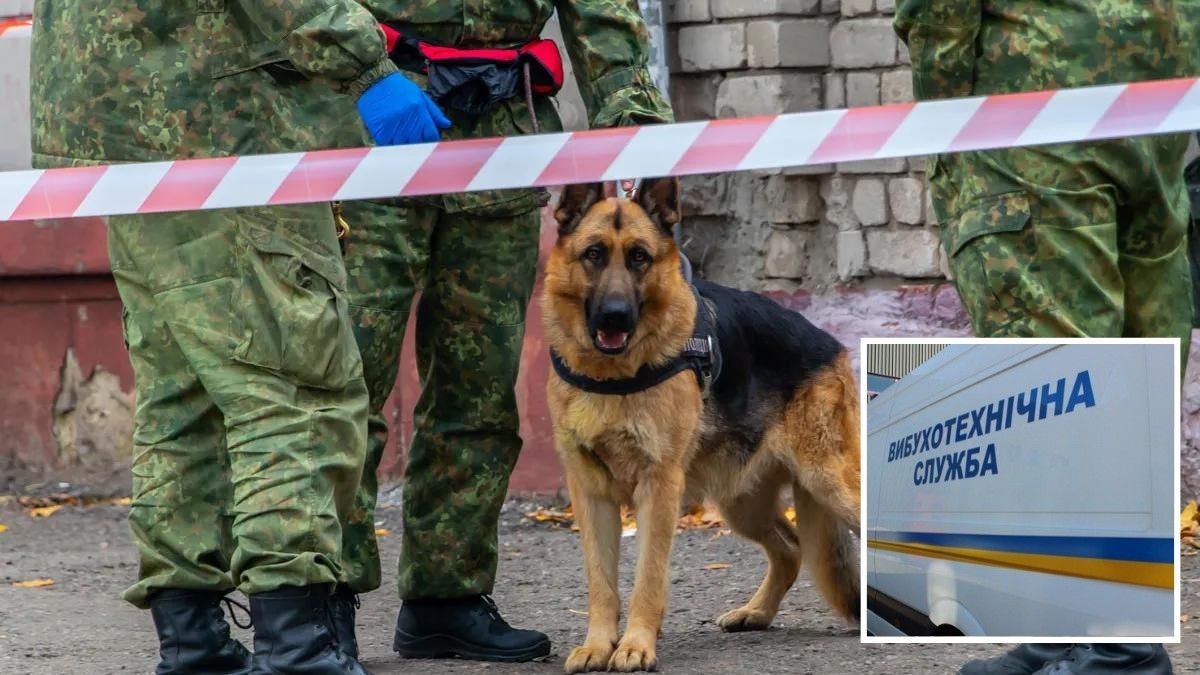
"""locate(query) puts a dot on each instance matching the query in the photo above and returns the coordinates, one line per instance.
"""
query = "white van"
(1018, 489)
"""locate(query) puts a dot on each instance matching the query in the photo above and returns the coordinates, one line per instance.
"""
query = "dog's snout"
(616, 313)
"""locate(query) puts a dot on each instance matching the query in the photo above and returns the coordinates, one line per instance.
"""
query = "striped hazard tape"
(796, 139)
(15, 25)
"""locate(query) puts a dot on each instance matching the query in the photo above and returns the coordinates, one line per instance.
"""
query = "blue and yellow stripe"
(1126, 560)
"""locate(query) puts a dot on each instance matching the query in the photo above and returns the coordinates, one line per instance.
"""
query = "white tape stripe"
(930, 125)
(122, 187)
(252, 180)
(791, 140)
(16, 32)
(1070, 113)
(518, 161)
(14, 186)
(1186, 115)
(654, 150)
(383, 172)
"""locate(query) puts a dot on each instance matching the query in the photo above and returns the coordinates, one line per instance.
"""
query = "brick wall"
(815, 226)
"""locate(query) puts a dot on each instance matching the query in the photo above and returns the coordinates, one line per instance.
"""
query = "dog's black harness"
(701, 354)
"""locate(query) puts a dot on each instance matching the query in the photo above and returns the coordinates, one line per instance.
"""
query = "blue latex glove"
(397, 112)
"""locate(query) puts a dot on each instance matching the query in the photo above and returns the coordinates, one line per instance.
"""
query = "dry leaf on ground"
(381, 532)
(43, 511)
(34, 583)
(3, 527)
(718, 566)
(1189, 521)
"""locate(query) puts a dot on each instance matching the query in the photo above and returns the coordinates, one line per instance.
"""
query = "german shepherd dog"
(783, 412)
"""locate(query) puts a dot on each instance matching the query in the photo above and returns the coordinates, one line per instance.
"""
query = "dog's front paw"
(744, 618)
(588, 657)
(633, 653)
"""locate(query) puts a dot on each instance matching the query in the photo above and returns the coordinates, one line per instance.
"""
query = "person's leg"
(180, 512)
(470, 326)
(255, 300)
(1031, 257)
(386, 254)
(1153, 239)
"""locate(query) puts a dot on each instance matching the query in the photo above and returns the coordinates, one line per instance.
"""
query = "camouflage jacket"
(606, 41)
(138, 80)
(966, 47)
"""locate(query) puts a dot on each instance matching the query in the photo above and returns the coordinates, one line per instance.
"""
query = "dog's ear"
(659, 197)
(574, 203)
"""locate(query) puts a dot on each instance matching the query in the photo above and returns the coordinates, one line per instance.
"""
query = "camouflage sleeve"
(337, 39)
(608, 44)
(940, 35)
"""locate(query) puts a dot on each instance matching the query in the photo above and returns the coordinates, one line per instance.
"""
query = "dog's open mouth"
(611, 341)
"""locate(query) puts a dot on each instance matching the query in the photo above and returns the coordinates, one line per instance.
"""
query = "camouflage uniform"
(251, 407)
(473, 258)
(1063, 240)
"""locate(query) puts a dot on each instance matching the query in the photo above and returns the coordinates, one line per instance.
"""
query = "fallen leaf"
(34, 583)
(43, 511)
(718, 566)
(1189, 521)
(3, 527)
(381, 532)
(576, 611)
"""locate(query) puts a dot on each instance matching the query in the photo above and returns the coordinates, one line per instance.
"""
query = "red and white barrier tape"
(15, 26)
(796, 139)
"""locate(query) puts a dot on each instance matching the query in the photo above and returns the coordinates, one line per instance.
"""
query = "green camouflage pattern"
(475, 273)
(1064, 240)
(146, 80)
(251, 416)
(976, 47)
(473, 258)
(606, 41)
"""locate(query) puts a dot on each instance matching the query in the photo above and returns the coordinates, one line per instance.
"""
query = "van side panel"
(1029, 488)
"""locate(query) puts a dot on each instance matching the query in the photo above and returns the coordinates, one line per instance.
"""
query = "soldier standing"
(1073, 240)
(473, 258)
(250, 427)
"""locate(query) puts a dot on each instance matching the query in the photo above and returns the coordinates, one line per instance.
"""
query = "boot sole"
(440, 646)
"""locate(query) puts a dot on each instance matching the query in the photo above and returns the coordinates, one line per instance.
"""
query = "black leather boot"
(193, 636)
(343, 606)
(1024, 659)
(1110, 659)
(293, 634)
(470, 628)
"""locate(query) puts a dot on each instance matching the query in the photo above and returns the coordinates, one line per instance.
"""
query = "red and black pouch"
(473, 81)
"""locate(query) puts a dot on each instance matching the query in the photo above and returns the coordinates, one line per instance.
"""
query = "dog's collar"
(701, 354)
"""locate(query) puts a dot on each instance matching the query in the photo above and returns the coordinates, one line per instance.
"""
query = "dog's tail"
(830, 553)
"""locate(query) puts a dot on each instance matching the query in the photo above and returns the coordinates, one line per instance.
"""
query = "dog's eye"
(594, 254)
(638, 256)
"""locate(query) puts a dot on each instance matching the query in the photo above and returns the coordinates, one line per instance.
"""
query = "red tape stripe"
(585, 156)
(451, 166)
(187, 186)
(58, 192)
(722, 145)
(860, 133)
(318, 176)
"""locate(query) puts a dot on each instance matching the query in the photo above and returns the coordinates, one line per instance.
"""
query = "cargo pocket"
(988, 256)
(294, 313)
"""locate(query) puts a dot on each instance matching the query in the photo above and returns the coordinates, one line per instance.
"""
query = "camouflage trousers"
(250, 425)
(1081, 240)
(475, 273)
